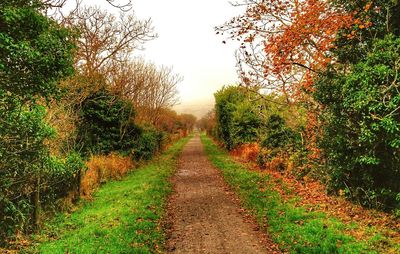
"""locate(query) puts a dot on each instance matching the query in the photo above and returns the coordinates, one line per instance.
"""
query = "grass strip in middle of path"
(124, 216)
(293, 228)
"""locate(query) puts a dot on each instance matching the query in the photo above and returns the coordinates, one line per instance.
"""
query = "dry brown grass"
(102, 168)
(246, 152)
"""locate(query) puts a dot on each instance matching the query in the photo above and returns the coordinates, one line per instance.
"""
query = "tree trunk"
(36, 204)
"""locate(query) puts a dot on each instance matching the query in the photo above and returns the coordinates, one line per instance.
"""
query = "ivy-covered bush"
(106, 125)
(361, 119)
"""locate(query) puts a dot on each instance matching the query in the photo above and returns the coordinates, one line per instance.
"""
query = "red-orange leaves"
(307, 40)
(295, 37)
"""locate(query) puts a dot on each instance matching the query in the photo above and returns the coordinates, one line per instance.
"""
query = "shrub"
(279, 143)
(247, 152)
(107, 124)
(237, 121)
(246, 123)
(148, 144)
(361, 137)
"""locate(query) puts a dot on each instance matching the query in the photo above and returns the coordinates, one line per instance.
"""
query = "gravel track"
(204, 215)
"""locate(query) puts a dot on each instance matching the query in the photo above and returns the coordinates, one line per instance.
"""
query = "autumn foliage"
(246, 152)
(286, 42)
(336, 64)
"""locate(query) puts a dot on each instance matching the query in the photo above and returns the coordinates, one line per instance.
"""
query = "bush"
(53, 181)
(279, 144)
(361, 137)
(107, 125)
(62, 177)
(246, 124)
(148, 144)
(237, 122)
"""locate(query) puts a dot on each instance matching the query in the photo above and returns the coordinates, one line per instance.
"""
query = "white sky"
(187, 41)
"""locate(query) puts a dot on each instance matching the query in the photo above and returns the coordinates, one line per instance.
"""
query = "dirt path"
(203, 215)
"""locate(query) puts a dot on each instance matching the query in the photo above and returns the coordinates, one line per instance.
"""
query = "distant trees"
(188, 122)
(207, 123)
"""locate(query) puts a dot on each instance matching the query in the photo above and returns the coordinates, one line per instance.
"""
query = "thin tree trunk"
(36, 204)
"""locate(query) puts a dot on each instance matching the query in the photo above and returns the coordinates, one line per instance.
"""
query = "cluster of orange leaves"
(102, 168)
(309, 35)
(249, 152)
(295, 34)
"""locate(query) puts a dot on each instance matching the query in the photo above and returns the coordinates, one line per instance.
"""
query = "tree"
(285, 42)
(150, 88)
(361, 107)
(106, 39)
(284, 46)
(35, 53)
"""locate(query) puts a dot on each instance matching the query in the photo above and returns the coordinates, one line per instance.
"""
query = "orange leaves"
(309, 36)
(249, 39)
(367, 6)
(296, 37)
(246, 152)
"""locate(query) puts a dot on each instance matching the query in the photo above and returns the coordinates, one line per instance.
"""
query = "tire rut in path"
(202, 215)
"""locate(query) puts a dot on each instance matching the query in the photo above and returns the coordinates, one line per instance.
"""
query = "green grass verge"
(293, 228)
(124, 216)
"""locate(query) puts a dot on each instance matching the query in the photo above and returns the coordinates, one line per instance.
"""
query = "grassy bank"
(295, 229)
(124, 216)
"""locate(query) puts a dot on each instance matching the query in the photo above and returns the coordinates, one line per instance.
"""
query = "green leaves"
(107, 124)
(237, 120)
(35, 53)
(362, 123)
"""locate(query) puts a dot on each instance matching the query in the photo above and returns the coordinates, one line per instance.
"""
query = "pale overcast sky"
(187, 41)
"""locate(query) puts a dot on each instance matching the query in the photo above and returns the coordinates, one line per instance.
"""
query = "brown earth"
(204, 215)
